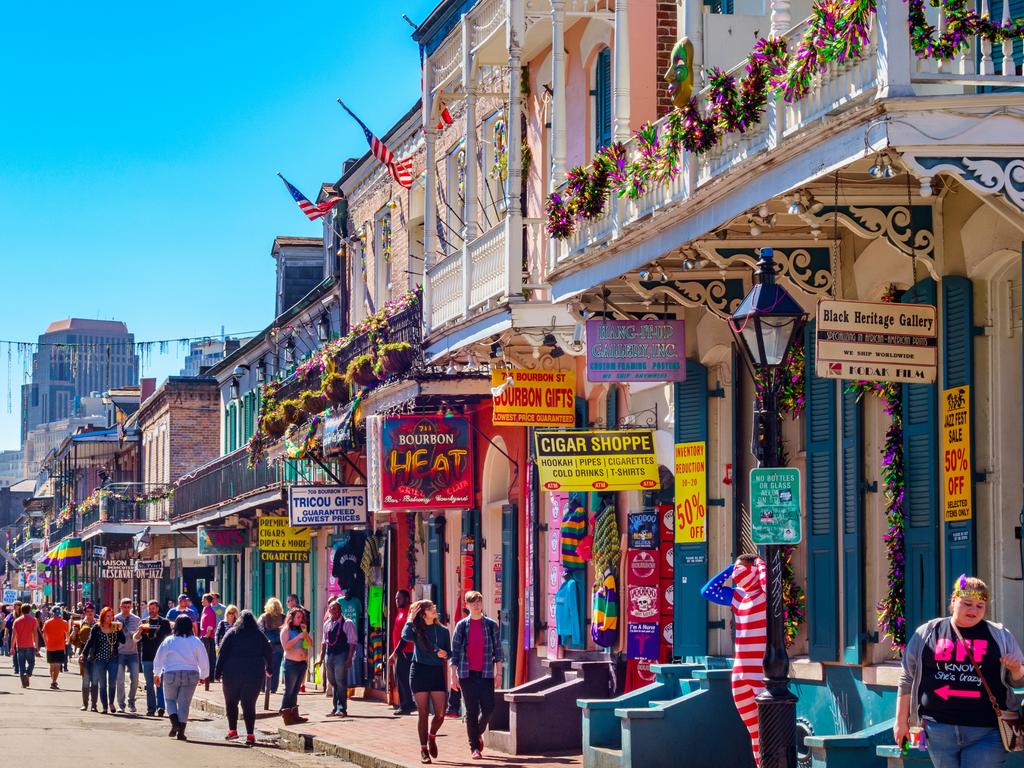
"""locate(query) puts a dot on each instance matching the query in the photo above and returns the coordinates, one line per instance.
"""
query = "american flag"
(400, 170)
(446, 116)
(313, 212)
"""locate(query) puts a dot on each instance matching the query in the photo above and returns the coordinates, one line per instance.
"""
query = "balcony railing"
(228, 477)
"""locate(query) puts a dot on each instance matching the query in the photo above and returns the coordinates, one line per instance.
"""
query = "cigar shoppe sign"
(597, 460)
(426, 463)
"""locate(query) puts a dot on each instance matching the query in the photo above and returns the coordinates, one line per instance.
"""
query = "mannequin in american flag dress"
(749, 607)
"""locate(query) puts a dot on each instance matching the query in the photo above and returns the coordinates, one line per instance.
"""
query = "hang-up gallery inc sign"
(426, 462)
(635, 350)
(597, 460)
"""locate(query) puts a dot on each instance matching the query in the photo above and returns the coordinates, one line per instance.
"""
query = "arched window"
(602, 94)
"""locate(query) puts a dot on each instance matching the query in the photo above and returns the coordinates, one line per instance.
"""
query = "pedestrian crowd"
(189, 646)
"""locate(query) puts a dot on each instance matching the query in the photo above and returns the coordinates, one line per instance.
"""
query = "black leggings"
(246, 693)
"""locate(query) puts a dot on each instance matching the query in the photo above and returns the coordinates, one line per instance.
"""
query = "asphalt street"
(49, 725)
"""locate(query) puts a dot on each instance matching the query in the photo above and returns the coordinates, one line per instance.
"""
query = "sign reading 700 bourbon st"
(597, 460)
(876, 341)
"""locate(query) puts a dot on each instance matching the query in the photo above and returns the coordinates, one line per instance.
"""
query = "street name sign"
(876, 341)
(775, 505)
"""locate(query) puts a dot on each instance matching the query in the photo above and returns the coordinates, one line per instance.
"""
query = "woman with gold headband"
(940, 692)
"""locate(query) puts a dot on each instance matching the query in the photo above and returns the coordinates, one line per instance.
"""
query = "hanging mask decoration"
(679, 74)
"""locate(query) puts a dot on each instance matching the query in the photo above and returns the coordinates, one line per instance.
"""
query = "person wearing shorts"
(55, 635)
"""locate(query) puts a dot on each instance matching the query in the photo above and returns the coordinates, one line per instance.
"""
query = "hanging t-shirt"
(375, 606)
(950, 691)
(574, 528)
(352, 609)
(604, 626)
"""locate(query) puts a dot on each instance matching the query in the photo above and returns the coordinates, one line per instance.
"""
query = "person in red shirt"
(26, 643)
(208, 631)
(401, 655)
(55, 635)
(475, 661)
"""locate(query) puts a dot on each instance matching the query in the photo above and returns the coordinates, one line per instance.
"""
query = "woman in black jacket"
(243, 665)
(100, 652)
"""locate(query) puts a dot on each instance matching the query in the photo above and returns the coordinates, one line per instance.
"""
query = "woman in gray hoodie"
(940, 690)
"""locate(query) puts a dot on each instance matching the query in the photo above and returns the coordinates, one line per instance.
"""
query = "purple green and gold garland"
(962, 23)
(794, 601)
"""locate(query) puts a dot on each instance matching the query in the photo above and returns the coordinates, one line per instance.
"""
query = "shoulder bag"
(1009, 721)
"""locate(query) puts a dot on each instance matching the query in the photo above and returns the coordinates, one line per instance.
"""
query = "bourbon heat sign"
(427, 463)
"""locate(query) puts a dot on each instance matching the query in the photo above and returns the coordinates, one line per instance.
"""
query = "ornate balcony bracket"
(721, 296)
(989, 176)
(908, 230)
(808, 266)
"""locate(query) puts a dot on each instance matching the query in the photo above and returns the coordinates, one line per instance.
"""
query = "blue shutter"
(690, 619)
(603, 99)
(921, 483)
(958, 371)
(853, 528)
(509, 589)
(435, 562)
(822, 504)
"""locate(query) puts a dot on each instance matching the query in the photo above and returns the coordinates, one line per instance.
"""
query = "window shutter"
(822, 503)
(853, 528)
(435, 561)
(471, 527)
(612, 407)
(603, 99)
(509, 619)
(690, 637)
(958, 371)
(920, 456)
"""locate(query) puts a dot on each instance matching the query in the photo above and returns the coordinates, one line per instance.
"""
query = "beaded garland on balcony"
(93, 501)
(962, 23)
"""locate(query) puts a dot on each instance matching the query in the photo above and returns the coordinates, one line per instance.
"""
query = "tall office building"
(75, 358)
(204, 354)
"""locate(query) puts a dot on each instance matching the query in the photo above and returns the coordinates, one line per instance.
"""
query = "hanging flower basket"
(395, 357)
(335, 387)
(292, 411)
(274, 423)
(360, 371)
(314, 402)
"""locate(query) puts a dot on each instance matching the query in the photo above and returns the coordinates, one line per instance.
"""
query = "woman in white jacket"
(180, 665)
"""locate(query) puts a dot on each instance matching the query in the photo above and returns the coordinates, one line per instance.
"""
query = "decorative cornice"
(989, 176)
(720, 296)
(808, 266)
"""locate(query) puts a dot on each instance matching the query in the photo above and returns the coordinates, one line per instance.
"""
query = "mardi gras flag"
(68, 552)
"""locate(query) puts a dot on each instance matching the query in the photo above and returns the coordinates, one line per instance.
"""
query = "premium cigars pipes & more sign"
(280, 542)
(426, 463)
(535, 399)
(876, 341)
(597, 460)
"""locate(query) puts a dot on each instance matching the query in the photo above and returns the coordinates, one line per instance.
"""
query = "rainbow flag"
(68, 552)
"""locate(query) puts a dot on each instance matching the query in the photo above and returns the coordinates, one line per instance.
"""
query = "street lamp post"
(765, 325)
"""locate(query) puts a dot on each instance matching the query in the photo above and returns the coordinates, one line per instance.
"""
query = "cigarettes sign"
(327, 505)
(876, 341)
(280, 542)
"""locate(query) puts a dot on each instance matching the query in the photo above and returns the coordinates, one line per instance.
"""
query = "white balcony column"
(559, 137)
(893, 50)
(469, 232)
(692, 27)
(429, 192)
(620, 91)
(514, 213)
(1009, 65)
(782, 19)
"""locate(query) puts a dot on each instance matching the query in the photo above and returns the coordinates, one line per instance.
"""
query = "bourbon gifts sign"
(427, 463)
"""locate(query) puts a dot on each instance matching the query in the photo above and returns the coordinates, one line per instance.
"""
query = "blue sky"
(138, 148)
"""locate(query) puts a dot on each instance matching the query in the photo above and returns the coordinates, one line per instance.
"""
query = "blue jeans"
(336, 674)
(26, 661)
(104, 677)
(154, 693)
(277, 654)
(130, 662)
(294, 675)
(961, 746)
(179, 685)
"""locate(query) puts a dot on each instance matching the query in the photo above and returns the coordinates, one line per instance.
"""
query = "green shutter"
(435, 561)
(612, 407)
(471, 527)
(822, 503)
(227, 429)
(603, 99)
(690, 610)
(509, 589)
(853, 528)
(958, 371)
(921, 484)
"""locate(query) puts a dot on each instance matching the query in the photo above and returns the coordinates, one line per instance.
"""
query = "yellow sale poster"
(691, 493)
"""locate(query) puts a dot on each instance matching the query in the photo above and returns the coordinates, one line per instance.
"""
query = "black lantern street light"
(289, 352)
(323, 328)
(765, 326)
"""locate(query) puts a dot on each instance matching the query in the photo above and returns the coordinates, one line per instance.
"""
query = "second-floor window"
(382, 253)
(602, 94)
(495, 157)
(453, 201)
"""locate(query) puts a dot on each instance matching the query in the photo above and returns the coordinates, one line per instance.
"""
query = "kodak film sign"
(876, 341)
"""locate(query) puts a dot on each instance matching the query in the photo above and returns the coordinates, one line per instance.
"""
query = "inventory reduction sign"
(876, 341)
(775, 505)
(597, 460)
(279, 542)
(536, 399)
(956, 454)
(691, 493)
(327, 505)
(635, 350)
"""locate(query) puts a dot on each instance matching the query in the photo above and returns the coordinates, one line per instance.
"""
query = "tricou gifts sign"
(635, 350)
(327, 505)
(427, 462)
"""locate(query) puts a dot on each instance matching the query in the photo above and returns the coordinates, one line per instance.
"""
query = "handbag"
(1009, 721)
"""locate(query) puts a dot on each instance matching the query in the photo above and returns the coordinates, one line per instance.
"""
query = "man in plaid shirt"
(476, 649)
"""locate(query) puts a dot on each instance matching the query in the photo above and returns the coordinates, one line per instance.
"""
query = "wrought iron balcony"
(226, 478)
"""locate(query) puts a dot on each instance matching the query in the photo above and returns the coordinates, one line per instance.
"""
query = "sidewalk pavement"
(371, 736)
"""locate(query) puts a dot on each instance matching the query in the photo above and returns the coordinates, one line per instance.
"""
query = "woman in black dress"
(428, 676)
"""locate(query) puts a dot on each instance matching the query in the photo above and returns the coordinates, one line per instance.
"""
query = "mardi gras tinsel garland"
(836, 33)
(962, 23)
(794, 601)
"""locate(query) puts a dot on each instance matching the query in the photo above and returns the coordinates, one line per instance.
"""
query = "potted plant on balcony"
(274, 423)
(292, 411)
(335, 387)
(360, 370)
(395, 357)
(314, 402)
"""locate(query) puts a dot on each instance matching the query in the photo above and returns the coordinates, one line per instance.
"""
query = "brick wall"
(667, 35)
(180, 429)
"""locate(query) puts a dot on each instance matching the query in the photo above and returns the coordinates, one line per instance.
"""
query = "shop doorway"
(496, 481)
(195, 582)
